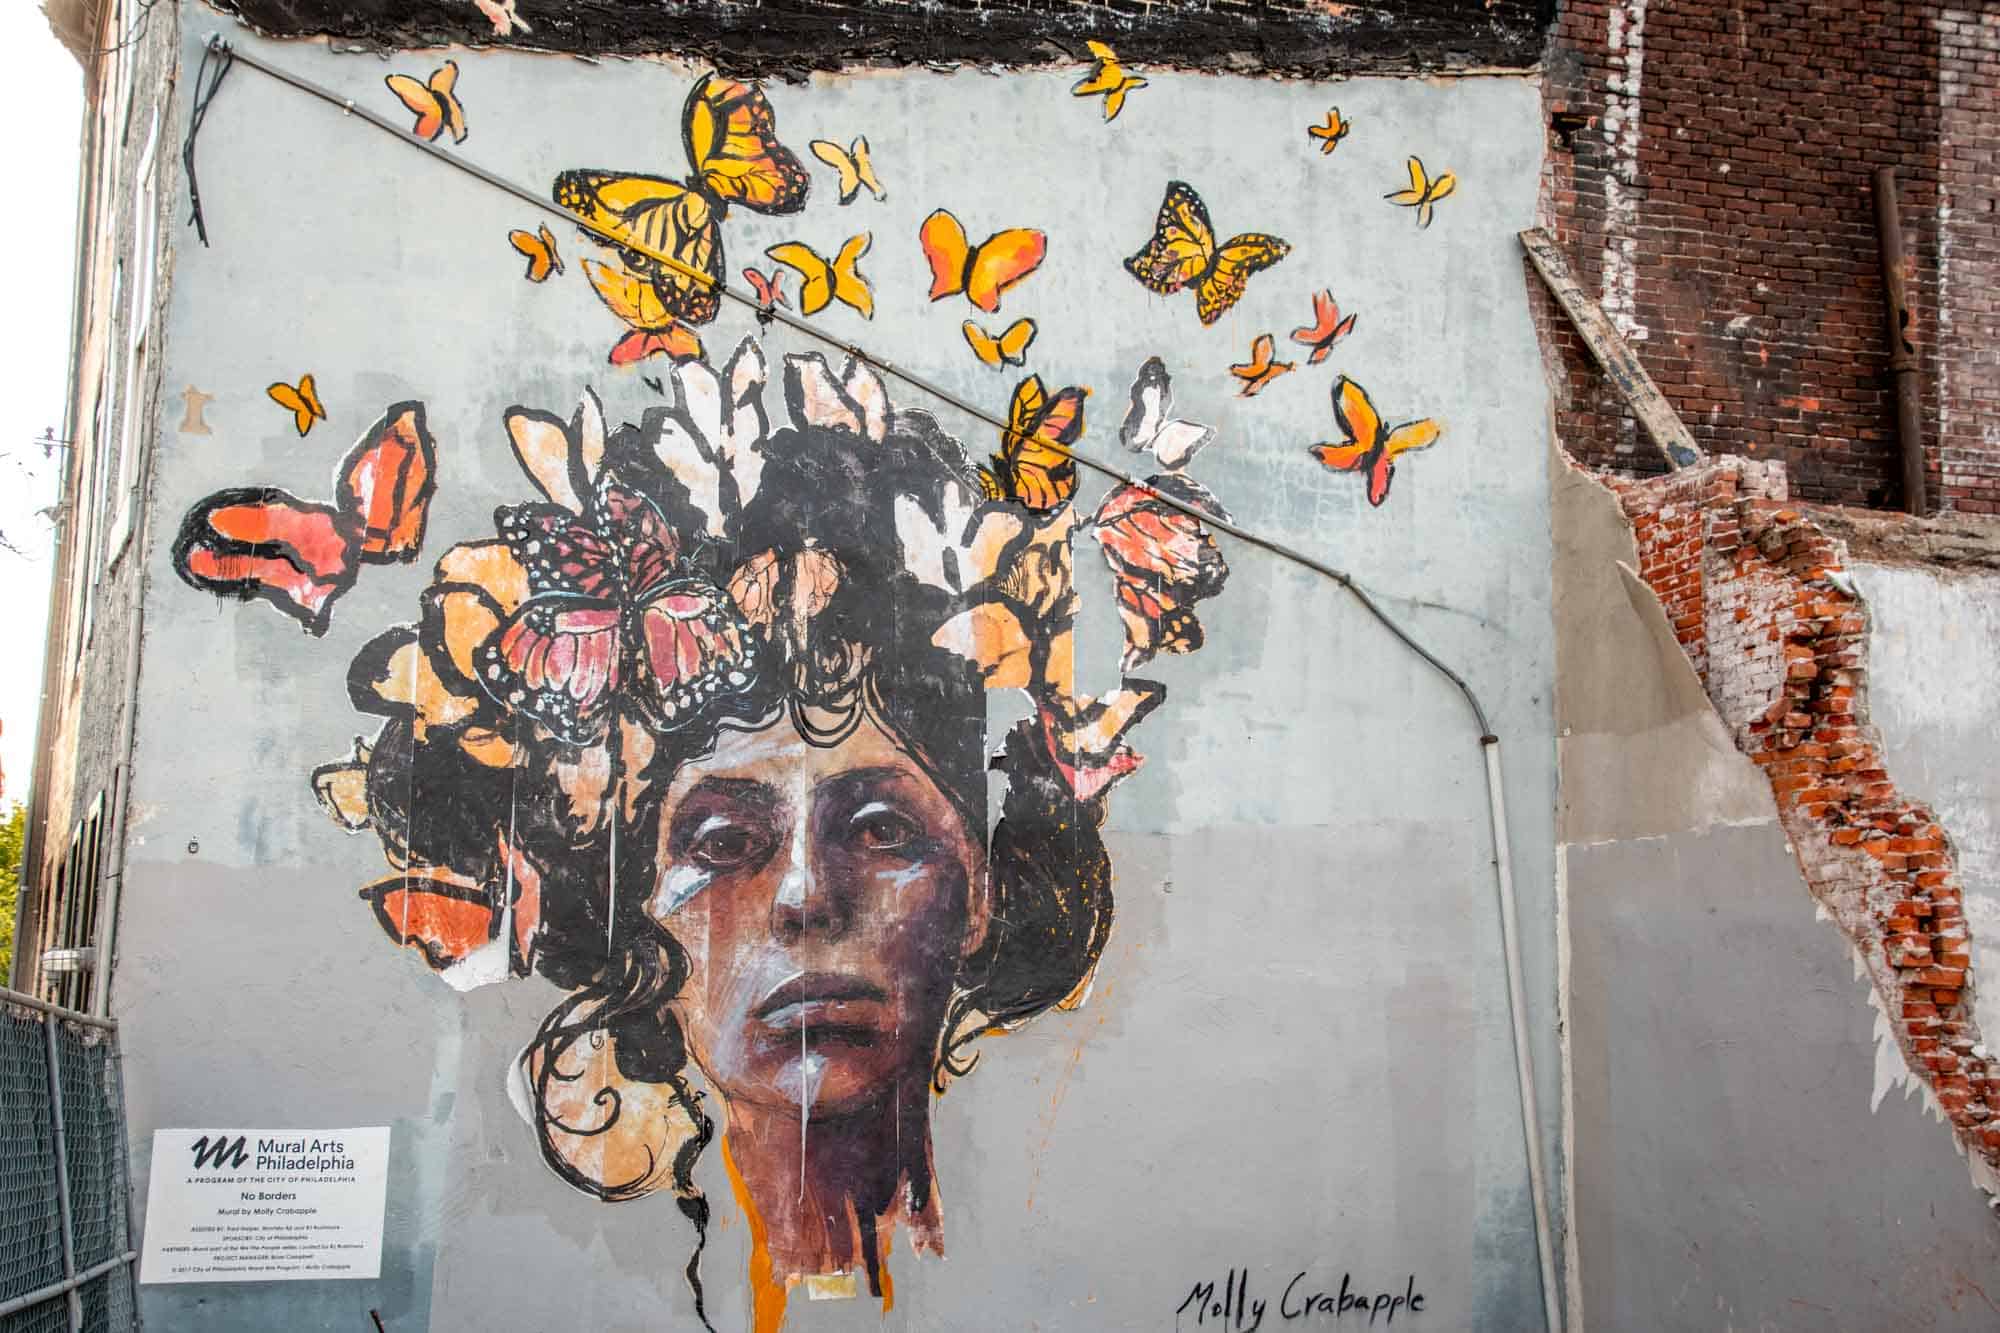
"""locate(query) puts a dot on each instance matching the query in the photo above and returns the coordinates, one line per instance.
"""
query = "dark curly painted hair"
(870, 656)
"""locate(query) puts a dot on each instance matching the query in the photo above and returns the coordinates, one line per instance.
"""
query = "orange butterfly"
(540, 248)
(730, 134)
(1009, 348)
(981, 271)
(1034, 466)
(770, 289)
(433, 102)
(1326, 329)
(1260, 369)
(1107, 78)
(1331, 133)
(823, 281)
(1369, 448)
(301, 401)
(261, 543)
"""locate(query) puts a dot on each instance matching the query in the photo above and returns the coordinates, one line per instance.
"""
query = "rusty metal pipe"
(1902, 351)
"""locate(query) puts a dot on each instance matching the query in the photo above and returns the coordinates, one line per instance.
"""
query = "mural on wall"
(1424, 191)
(699, 735)
(301, 400)
(434, 102)
(730, 135)
(698, 731)
(1183, 253)
(259, 543)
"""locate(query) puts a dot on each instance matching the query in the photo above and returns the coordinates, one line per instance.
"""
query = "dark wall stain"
(765, 38)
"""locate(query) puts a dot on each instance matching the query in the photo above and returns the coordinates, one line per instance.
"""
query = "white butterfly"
(1148, 425)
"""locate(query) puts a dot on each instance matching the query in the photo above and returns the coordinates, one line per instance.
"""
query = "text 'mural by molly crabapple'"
(1232, 1307)
(265, 1205)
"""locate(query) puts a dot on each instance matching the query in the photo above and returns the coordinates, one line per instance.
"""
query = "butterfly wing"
(443, 84)
(1182, 246)
(1356, 414)
(421, 103)
(1114, 101)
(541, 258)
(865, 169)
(815, 274)
(1419, 184)
(289, 398)
(258, 543)
(1002, 260)
(942, 237)
(1015, 339)
(850, 288)
(838, 158)
(983, 344)
(1262, 348)
(770, 290)
(1222, 286)
(1381, 467)
(1039, 470)
(556, 660)
(309, 392)
(1416, 435)
(692, 646)
(441, 914)
(648, 216)
(732, 141)
(1439, 188)
(1152, 400)
(386, 483)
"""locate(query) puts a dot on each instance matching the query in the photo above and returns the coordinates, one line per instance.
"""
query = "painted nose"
(805, 907)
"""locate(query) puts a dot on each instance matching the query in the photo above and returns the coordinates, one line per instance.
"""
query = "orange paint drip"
(888, 1288)
(767, 1293)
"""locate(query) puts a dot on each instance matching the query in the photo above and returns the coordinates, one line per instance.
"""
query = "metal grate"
(65, 1256)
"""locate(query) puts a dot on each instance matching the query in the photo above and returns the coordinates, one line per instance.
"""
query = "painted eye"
(722, 845)
(878, 828)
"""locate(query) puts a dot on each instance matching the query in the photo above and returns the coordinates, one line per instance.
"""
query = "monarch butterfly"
(1183, 253)
(730, 134)
(1369, 448)
(1034, 466)
(981, 271)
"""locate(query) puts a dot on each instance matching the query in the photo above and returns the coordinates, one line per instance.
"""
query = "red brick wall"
(1729, 225)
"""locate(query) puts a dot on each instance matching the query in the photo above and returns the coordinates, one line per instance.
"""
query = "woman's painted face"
(825, 896)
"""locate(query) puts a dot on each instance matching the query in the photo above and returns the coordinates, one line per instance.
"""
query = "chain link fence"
(65, 1229)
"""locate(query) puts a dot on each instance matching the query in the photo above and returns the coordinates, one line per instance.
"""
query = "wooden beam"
(1613, 354)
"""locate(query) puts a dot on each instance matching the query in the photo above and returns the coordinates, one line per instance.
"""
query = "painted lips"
(824, 1004)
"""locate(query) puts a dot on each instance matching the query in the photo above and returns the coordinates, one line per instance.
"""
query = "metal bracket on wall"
(1613, 354)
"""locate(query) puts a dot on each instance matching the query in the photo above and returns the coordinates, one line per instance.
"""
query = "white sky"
(41, 96)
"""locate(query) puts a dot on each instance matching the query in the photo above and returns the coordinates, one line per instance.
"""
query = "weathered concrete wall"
(1744, 1152)
(1296, 1054)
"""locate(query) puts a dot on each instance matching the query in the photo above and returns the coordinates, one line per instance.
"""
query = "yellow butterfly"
(301, 401)
(1424, 191)
(1183, 253)
(1034, 466)
(853, 165)
(1009, 349)
(827, 280)
(1331, 133)
(730, 134)
(1108, 78)
(433, 102)
(540, 248)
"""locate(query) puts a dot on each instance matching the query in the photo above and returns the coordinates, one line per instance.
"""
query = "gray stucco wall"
(1735, 1162)
(1297, 1054)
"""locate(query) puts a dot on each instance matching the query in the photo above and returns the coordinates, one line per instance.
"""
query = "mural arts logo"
(216, 1151)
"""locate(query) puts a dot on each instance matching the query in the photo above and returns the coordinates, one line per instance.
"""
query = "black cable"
(223, 56)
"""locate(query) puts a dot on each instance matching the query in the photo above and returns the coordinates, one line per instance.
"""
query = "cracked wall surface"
(1733, 1159)
(1762, 600)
